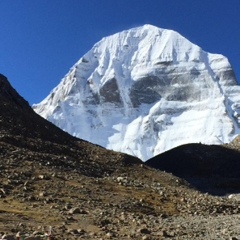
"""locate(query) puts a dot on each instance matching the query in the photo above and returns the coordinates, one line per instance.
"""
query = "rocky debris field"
(130, 201)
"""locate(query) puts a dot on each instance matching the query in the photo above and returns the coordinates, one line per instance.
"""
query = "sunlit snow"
(144, 91)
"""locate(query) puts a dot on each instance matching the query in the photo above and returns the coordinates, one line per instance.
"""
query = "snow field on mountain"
(144, 91)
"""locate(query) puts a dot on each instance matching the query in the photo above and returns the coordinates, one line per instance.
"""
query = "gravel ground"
(202, 227)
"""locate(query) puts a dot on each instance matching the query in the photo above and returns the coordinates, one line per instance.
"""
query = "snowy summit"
(144, 91)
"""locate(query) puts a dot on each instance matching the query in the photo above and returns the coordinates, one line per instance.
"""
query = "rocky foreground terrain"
(50, 180)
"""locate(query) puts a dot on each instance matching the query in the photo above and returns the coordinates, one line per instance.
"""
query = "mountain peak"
(148, 27)
(145, 90)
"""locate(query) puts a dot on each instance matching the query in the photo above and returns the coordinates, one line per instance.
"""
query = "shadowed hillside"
(21, 127)
(210, 168)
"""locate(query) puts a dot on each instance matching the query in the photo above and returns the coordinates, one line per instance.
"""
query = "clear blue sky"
(41, 39)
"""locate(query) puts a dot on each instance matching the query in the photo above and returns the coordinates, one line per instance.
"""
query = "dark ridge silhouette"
(210, 168)
(9, 94)
(18, 118)
(22, 127)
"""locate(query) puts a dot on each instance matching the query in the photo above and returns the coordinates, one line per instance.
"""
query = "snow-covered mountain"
(144, 91)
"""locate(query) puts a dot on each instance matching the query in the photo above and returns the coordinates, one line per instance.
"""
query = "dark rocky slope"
(210, 168)
(21, 127)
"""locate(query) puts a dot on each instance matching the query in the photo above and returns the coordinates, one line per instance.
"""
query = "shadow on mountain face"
(208, 168)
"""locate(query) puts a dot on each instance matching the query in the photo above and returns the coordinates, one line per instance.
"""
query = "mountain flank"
(21, 127)
(210, 168)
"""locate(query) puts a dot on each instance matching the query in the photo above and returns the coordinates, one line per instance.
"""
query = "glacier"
(144, 91)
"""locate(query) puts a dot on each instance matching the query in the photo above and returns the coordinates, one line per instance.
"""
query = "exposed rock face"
(144, 91)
